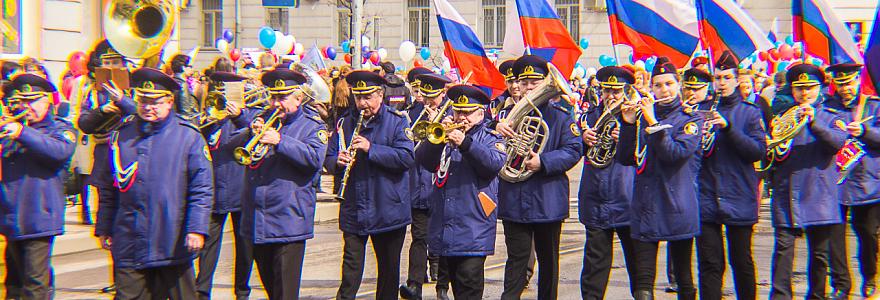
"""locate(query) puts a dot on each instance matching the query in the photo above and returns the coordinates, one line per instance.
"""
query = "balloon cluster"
(278, 42)
(783, 55)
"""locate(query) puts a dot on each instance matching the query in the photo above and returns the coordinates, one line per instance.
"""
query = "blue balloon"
(789, 40)
(346, 46)
(366, 53)
(782, 66)
(365, 49)
(606, 60)
(817, 62)
(267, 37)
(228, 35)
(331, 53)
(650, 62)
(584, 43)
(425, 53)
(777, 44)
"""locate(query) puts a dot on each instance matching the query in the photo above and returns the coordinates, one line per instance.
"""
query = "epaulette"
(832, 110)
(63, 121)
(398, 113)
(873, 98)
(126, 121)
(559, 107)
(189, 124)
(316, 118)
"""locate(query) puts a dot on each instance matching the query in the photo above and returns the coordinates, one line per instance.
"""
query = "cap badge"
(803, 77)
(361, 84)
(148, 85)
(693, 79)
(528, 70)
(279, 83)
(26, 88)
(612, 79)
(462, 100)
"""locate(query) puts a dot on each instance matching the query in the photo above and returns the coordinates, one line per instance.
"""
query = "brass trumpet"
(255, 151)
(256, 97)
(434, 133)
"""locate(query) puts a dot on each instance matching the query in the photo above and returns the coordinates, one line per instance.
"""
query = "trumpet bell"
(436, 134)
(242, 156)
(139, 28)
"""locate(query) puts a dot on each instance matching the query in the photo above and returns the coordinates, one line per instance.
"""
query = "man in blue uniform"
(278, 207)
(533, 209)
(432, 89)
(664, 145)
(376, 203)
(859, 191)
(417, 107)
(155, 195)
(510, 95)
(804, 185)
(228, 192)
(462, 200)
(728, 186)
(605, 193)
(35, 151)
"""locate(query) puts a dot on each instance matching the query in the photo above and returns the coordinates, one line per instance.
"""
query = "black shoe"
(672, 288)
(869, 288)
(644, 295)
(412, 291)
(109, 289)
(441, 294)
(838, 295)
(434, 269)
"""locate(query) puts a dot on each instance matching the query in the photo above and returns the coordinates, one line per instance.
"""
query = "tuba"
(316, 89)
(531, 131)
(139, 28)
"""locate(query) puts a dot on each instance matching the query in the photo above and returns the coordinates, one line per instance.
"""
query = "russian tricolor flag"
(466, 52)
(822, 33)
(724, 26)
(655, 27)
(871, 78)
(544, 35)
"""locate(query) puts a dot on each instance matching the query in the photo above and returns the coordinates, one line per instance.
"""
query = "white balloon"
(222, 45)
(279, 41)
(407, 51)
(382, 53)
(640, 64)
(298, 49)
(365, 41)
(285, 45)
(590, 71)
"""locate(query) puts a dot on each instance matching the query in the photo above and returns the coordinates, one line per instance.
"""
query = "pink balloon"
(786, 52)
(76, 62)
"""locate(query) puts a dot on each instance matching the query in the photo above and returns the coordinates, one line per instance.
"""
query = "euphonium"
(254, 151)
(601, 154)
(531, 131)
(784, 127)
(340, 196)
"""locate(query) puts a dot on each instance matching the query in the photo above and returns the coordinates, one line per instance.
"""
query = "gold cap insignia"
(279, 83)
(693, 79)
(528, 70)
(149, 85)
(361, 84)
(510, 72)
(803, 77)
(662, 70)
(462, 99)
(26, 88)
(612, 79)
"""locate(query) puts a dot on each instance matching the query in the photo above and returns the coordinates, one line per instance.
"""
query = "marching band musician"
(534, 209)
(228, 193)
(805, 192)
(35, 151)
(377, 196)
(278, 207)
(859, 192)
(510, 95)
(695, 90)
(728, 185)
(463, 218)
(415, 108)
(605, 195)
(155, 195)
(432, 89)
(664, 145)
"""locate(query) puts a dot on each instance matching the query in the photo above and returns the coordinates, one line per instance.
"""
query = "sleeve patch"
(501, 147)
(207, 153)
(691, 128)
(322, 135)
(69, 136)
(574, 129)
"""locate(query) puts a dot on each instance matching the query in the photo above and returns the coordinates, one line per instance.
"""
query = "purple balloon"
(331, 53)
(228, 35)
(366, 53)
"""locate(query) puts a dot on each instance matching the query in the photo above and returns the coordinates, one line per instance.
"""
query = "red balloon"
(374, 58)
(417, 63)
(774, 55)
(324, 52)
(234, 55)
(798, 52)
(67, 86)
(76, 62)
(347, 58)
(763, 56)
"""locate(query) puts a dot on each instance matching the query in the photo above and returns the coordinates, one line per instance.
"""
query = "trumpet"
(215, 110)
(255, 151)
(256, 97)
(351, 153)
(434, 133)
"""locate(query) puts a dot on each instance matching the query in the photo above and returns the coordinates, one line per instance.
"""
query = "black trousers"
(418, 247)
(710, 256)
(280, 266)
(387, 246)
(598, 255)
(175, 282)
(28, 273)
(865, 222)
(841, 279)
(518, 238)
(818, 238)
(646, 264)
(465, 275)
(244, 259)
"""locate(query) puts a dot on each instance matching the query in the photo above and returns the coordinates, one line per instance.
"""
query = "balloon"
(786, 52)
(346, 46)
(366, 54)
(777, 44)
(417, 63)
(640, 64)
(365, 40)
(284, 44)
(324, 52)
(331, 53)
(383, 54)
(590, 71)
(789, 40)
(222, 45)
(650, 62)
(234, 55)
(298, 49)
(816, 61)
(425, 53)
(228, 35)
(407, 51)
(347, 58)
(798, 52)
(365, 49)
(77, 63)
(267, 37)
(763, 56)
(630, 57)
(606, 60)
(774, 54)
(374, 58)
(782, 65)
(584, 43)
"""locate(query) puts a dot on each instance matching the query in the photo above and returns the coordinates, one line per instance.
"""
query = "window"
(278, 18)
(419, 12)
(12, 19)
(343, 13)
(493, 23)
(212, 21)
(597, 5)
(569, 14)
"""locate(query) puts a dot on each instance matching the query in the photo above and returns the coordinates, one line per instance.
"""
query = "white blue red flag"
(724, 26)
(822, 33)
(655, 27)
(544, 35)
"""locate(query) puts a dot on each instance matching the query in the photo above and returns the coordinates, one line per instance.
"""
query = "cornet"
(255, 151)
(435, 133)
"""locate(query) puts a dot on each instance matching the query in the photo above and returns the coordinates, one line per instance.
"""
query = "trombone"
(255, 151)
(351, 153)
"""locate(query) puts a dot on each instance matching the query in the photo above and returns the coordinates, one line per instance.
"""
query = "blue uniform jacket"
(605, 194)
(458, 224)
(422, 178)
(279, 200)
(805, 186)
(32, 190)
(169, 196)
(544, 196)
(664, 205)
(377, 197)
(862, 185)
(728, 181)
(228, 174)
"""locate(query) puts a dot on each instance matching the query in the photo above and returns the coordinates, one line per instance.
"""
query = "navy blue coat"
(862, 185)
(377, 197)
(422, 179)
(728, 181)
(32, 192)
(170, 197)
(228, 174)
(664, 205)
(278, 205)
(605, 194)
(544, 196)
(804, 184)
(458, 225)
